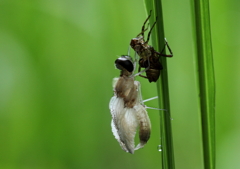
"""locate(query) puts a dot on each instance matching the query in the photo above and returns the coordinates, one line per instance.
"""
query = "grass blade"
(162, 85)
(206, 81)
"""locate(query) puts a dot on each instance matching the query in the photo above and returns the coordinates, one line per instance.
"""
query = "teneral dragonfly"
(127, 108)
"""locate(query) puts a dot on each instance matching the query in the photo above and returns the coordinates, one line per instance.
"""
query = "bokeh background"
(56, 69)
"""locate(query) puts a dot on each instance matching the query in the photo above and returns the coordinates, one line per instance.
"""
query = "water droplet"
(159, 148)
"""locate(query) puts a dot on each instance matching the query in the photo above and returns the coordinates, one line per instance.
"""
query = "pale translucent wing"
(127, 125)
(124, 124)
(116, 106)
(115, 133)
(137, 83)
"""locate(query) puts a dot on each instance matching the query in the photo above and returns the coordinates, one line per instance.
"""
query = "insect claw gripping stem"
(169, 48)
(161, 53)
(149, 33)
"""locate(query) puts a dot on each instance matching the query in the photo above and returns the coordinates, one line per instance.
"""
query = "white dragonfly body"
(127, 108)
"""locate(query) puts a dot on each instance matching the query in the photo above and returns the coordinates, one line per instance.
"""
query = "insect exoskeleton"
(149, 58)
(127, 109)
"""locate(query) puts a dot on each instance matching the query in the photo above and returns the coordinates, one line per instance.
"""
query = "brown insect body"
(149, 58)
(154, 69)
(125, 87)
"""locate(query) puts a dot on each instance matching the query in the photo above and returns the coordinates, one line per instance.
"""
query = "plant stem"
(162, 85)
(206, 81)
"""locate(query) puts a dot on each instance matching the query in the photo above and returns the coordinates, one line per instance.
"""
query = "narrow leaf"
(206, 81)
(162, 85)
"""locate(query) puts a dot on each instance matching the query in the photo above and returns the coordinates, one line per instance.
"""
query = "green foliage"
(205, 74)
(206, 80)
(166, 140)
(56, 69)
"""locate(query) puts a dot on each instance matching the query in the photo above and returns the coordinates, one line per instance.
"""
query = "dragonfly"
(149, 57)
(127, 107)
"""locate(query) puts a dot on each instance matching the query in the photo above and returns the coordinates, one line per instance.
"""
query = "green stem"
(206, 81)
(162, 85)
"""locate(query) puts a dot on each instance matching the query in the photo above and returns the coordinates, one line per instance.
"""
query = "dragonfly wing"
(124, 124)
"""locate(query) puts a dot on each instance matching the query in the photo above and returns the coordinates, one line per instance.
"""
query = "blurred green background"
(56, 70)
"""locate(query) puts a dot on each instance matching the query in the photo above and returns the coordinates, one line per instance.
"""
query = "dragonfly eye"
(124, 62)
